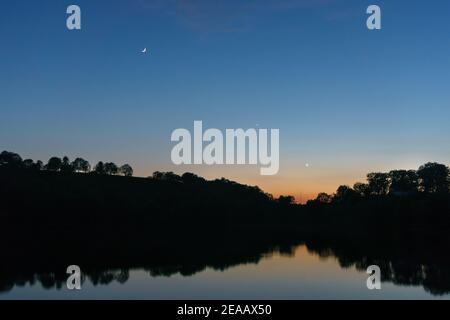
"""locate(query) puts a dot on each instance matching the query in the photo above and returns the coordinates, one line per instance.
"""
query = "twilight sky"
(347, 100)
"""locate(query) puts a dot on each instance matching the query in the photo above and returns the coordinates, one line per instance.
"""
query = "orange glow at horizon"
(298, 180)
(304, 184)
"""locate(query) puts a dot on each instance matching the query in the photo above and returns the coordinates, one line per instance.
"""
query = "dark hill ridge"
(40, 194)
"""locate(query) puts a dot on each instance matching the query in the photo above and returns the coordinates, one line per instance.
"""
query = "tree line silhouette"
(430, 178)
(12, 160)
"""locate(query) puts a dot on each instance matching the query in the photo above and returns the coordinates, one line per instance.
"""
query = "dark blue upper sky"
(346, 100)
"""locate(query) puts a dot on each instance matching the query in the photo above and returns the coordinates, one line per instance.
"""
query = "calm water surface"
(300, 275)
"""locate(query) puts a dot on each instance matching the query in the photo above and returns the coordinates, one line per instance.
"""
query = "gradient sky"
(347, 100)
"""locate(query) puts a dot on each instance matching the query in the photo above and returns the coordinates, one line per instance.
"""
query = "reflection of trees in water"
(57, 281)
(164, 262)
(400, 265)
(427, 266)
(103, 277)
(47, 280)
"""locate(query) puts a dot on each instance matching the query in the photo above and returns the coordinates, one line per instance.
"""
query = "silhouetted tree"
(378, 183)
(434, 178)
(99, 168)
(111, 168)
(286, 200)
(362, 189)
(39, 165)
(10, 160)
(324, 198)
(403, 181)
(81, 165)
(66, 166)
(345, 194)
(157, 175)
(189, 177)
(126, 170)
(169, 176)
(54, 164)
(28, 164)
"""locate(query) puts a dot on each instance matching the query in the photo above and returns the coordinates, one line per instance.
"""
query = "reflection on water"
(309, 270)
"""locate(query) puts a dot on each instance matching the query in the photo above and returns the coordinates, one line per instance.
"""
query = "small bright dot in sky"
(144, 51)
(307, 165)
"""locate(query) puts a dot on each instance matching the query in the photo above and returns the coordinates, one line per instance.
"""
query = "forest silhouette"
(54, 214)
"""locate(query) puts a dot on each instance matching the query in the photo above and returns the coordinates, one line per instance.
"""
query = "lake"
(298, 273)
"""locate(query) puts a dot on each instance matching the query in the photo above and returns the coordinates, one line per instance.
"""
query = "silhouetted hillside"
(72, 197)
